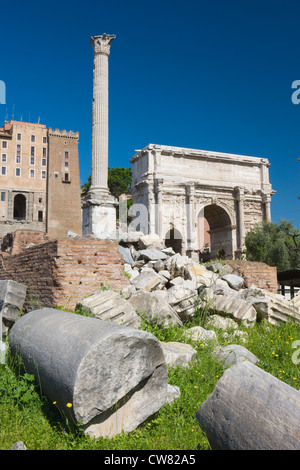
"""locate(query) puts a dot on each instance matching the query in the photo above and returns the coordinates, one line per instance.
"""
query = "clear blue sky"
(212, 75)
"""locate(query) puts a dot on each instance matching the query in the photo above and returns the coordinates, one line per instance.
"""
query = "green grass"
(26, 415)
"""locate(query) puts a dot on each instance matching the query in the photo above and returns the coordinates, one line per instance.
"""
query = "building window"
(32, 138)
(44, 161)
(55, 175)
(32, 160)
(3, 170)
(44, 140)
(66, 154)
(2, 196)
(4, 144)
(66, 177)
(43, 174)
(18, 149)
(19, 137)
(18, 158)
(3, 157)
(32, 151)
(40, 216)
(18, 171)
(66, 164)
(44, 151)
(40, 200)
(31, 173)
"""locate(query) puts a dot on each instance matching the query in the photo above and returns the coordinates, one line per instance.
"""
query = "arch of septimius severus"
(199, 200)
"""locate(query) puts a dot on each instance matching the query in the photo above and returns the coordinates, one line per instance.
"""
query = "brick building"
(39, 179)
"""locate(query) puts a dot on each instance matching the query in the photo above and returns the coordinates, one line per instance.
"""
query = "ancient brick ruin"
(255, 273)
(62, 272)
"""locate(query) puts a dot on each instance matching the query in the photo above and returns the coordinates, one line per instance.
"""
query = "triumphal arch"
(200, 201)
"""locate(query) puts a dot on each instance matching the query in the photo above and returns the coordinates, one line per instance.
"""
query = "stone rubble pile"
(169, 288)
(114, 373)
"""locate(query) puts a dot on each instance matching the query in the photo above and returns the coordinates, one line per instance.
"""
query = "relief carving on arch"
(253, 213)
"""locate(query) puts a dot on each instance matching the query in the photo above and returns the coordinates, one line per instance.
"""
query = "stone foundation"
(62, 272)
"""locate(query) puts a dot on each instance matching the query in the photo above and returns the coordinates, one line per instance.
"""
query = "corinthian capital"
(101, 44)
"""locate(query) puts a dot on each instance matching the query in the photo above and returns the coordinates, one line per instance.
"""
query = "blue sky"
(213, 75)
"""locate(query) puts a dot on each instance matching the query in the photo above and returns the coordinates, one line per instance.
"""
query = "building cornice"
(180, 152)
(63, 133)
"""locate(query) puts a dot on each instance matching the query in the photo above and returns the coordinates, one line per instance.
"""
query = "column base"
(99, 215)
(194, 254)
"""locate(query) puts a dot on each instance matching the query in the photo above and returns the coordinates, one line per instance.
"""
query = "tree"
(119, 181)
(86, 186)
(276, 244)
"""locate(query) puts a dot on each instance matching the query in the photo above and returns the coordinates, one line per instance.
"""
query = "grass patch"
(26, 415)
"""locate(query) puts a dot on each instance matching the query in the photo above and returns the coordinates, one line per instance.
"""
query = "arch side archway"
(215, 232)
(173, 239)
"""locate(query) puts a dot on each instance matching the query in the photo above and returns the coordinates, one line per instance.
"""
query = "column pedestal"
(99, 215)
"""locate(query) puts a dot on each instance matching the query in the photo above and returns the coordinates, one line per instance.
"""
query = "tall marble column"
(267, 204)
(241, 222)
(192, 249)
(99, 208)
(158, 206)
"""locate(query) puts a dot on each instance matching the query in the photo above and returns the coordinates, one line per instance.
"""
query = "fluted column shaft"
(241, 217)
(267, 204)
(101, 46)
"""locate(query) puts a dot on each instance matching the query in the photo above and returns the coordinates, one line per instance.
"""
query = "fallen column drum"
(251, 409)
(107, 377)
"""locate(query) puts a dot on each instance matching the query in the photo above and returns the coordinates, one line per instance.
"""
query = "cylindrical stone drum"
(251, 409)
(107, 377)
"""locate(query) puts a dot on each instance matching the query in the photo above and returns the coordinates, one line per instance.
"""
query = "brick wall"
(62, 272)
(259, 274)
(15, 242)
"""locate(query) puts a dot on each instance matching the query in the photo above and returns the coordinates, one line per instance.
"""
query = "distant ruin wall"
(15, 242)
(62, 272)
(254, 272)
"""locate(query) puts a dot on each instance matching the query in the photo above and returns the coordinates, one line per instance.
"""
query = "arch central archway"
(214, 232)
(19, 207)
